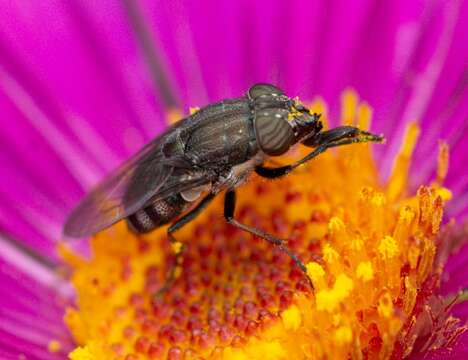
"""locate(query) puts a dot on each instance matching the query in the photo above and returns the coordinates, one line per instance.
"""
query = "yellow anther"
(193, 110)
(343, 286)
(330, 255)
(315, 271)
(388, 248)
(291, 318)
(176, 247)
(444, 193)
(343, 335)
(378, 199)
(336, 225)
(406, 214)
(365, 271)
(329, 300)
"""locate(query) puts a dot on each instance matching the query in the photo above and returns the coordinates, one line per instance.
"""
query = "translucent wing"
(142, 178)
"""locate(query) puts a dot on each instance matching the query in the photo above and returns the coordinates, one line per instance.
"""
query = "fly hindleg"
(179, 247)
(229, 209)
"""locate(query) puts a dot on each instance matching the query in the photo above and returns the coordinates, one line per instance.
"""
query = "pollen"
(343, 335)
(176, 246)
(291, 318)
(370, 248)
(329, 300)
(364, 271)
(388, 248)
(315, 272)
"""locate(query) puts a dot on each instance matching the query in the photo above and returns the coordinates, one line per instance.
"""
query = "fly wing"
(146, 175)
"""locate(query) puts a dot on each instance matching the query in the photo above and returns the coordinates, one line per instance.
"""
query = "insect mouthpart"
(306, 126)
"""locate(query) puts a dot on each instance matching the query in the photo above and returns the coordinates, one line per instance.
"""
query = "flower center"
(369, 249)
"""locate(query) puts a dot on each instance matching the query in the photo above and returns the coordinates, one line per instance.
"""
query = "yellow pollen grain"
(328, 300)
(336, 319)
(193, 110)
(330, 255)
(54, 346)
(256, 351)
(315, 271)
(406, 214)
(378, 199)
(343, 335)
(92, 351)
(343, 286)
(388, 248)
(364, 271)
(336, 225)
(292, 318)
(444, 193)
(176, 246)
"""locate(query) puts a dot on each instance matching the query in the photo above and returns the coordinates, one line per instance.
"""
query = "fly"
(174, 177)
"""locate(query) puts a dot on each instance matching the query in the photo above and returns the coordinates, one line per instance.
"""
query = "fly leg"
(229, 209)
(339, 136)
(177, 246)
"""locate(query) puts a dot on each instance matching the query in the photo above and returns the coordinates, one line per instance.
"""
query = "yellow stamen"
(349, 104)
(292, 318)
(343, 335)
(388, 248)
(364, 271)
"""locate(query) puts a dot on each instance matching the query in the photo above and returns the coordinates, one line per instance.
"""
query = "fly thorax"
(238, 174)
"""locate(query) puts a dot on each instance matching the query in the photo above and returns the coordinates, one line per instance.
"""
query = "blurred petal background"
(84, 84)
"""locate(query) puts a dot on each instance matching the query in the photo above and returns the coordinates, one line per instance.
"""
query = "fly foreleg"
(339, 136)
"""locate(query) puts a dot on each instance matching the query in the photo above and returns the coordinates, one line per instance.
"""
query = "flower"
(84, 85)
(370, 252)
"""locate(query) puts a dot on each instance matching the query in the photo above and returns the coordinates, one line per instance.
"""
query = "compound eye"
(264, 89)
(274, 133)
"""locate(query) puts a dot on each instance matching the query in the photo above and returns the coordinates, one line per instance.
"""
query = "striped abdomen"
(157, 214)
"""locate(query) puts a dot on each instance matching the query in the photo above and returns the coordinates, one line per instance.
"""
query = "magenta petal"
(78, 95)
(30, 316)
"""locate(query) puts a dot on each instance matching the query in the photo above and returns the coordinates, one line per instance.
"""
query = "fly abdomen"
(157, 214)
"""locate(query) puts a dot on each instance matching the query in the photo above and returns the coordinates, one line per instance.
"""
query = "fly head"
(280, 121)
